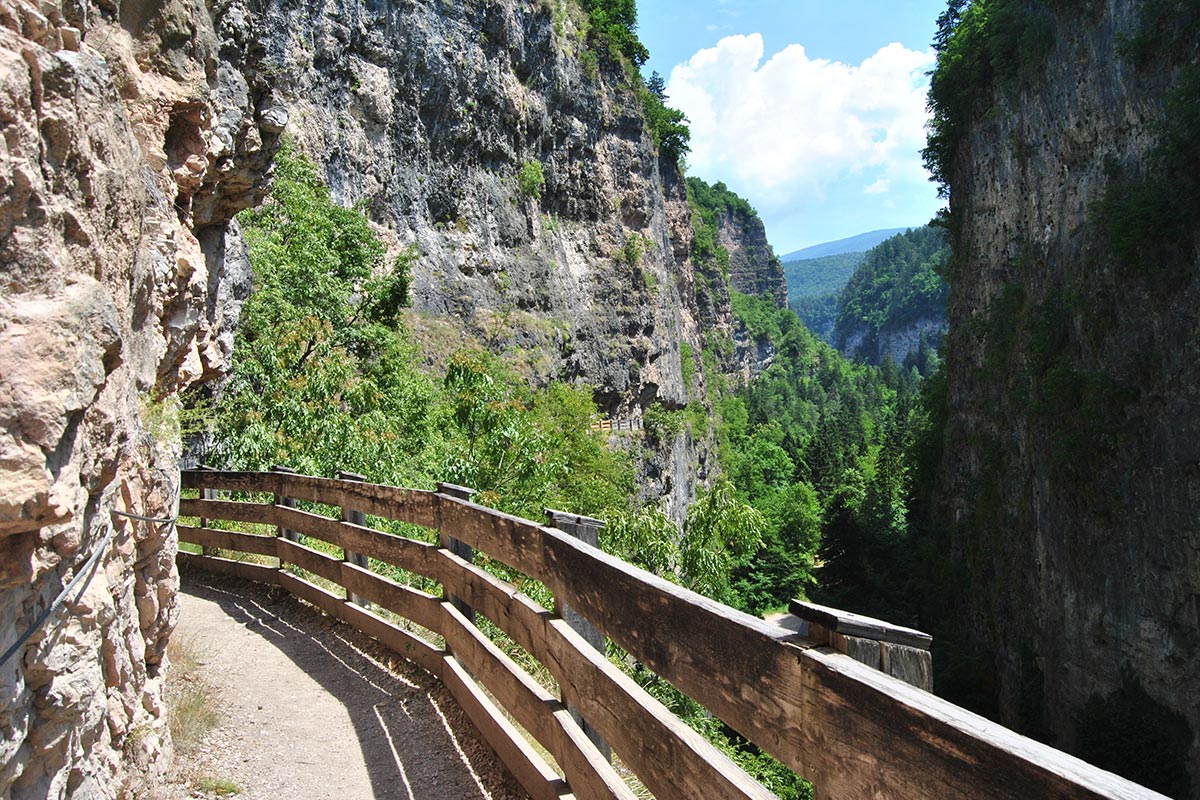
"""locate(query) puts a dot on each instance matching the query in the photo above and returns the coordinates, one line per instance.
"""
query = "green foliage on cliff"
(324, 376)
(714, 199)
(668, 126)
(531, 179)
(708, 202)
(613, 25)
(982, 46)
(899, 281)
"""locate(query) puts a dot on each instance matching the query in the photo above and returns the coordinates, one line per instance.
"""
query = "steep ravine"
(131, 137)
(1070, 478)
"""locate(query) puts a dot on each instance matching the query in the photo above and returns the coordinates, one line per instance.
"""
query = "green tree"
(531, 179)
(322, 380)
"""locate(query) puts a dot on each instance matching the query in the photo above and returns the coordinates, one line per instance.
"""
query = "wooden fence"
(854, 731)
(608, 425)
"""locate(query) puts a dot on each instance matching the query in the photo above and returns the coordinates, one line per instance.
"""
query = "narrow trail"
(311, 708)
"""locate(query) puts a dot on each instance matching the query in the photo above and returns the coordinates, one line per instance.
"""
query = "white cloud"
(880, 186)
(793, 126)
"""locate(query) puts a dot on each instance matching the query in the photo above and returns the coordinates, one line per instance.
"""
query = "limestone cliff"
(901, 342)
(130, 138)
(1070, 474)
(511, 154)
(753, 266)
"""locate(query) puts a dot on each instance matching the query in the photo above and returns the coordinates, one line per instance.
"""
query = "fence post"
(587, 530)
(460, 549)
(360, 519)
(207, 494)
(286, 502)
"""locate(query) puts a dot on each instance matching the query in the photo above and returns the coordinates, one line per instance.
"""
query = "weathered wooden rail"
(854, 731)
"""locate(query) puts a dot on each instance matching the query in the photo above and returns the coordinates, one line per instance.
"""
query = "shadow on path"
(414, 741)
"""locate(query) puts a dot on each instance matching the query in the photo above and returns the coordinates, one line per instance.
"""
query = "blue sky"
(812, 110)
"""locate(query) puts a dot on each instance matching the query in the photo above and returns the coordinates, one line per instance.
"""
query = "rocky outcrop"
(899, 341)
(513, 159)
(131, 136)
(753, 267)
(1070, 474)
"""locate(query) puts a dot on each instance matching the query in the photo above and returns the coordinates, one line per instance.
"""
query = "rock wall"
(1070, 479)
(130, 137)
(897, 341)
(753, 267)
(427, 114)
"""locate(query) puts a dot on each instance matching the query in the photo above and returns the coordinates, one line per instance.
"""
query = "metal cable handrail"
(87, 571)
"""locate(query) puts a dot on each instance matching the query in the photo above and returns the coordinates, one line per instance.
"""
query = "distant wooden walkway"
(609, 425)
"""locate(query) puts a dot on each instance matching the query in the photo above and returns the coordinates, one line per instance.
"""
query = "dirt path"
(310, 708)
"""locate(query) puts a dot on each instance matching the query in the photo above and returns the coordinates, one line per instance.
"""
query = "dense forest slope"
(894, 305)
(1066, 133)
(813, 288)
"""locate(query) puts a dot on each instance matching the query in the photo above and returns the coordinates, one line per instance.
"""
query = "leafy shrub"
(531, 179)
(613, 25)
(667, 126)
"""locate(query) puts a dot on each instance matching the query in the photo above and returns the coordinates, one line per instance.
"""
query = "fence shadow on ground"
(415, 741)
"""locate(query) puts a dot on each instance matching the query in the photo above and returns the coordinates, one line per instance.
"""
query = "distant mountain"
(854, 244)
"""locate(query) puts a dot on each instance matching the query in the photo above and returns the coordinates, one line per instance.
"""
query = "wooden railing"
(854, 731)
(608, 425)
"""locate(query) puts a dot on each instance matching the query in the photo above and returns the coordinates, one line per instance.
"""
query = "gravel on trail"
(310, 708)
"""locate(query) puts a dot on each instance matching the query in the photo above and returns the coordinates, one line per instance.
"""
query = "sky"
(812, 110)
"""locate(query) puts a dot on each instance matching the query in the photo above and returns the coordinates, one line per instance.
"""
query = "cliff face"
(428, 113)
(753, 267)
(1070, 477)
(515, 161)
(131, 136)
(898, 341)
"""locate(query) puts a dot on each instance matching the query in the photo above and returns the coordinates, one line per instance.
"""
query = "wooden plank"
(836, 727)
(360, 519)
(224, 566)
(530, 769)
(910, 664)
(671, 759)
(849, 624)
(309, 559)
(231, 510)
(408, 505)
(227, 540)
(588, 771)
(585, 529)
(454, 545)
(408, 554)
(512, 540)
(423, 609)
(926, 746)
(398, 640)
